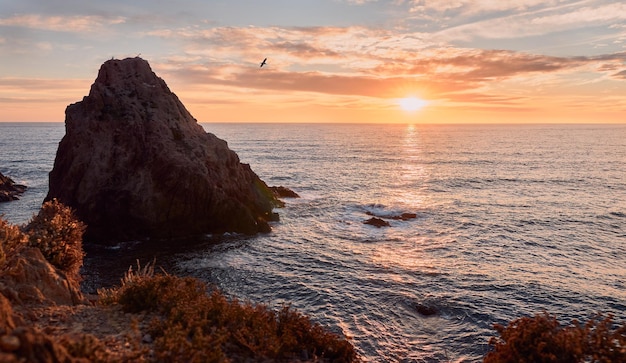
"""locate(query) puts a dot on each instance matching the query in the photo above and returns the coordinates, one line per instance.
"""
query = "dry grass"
(11, 240)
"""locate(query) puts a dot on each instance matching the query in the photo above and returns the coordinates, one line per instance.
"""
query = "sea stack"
(134, 164)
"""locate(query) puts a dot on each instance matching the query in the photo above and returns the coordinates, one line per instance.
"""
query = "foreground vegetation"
(197, 325)
(543, 339)
(176, 319)
(187, 321)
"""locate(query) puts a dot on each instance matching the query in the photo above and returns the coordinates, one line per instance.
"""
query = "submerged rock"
(425, 310)
(135, 164)
(405, 216)
(9, 190)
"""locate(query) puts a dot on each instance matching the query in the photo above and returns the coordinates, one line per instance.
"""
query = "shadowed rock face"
(134, 163)
(9, 190)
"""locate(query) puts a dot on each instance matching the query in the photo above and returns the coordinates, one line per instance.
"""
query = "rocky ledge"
(134, 164)
(9, 190)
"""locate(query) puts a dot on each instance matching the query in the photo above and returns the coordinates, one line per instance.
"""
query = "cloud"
(536, 22)
(84, 23)
(473, 6)
(585, 15)
(364, 62)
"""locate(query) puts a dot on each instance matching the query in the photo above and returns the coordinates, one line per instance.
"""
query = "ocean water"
(512, 220)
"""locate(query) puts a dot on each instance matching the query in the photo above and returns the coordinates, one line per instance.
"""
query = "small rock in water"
(425, 310)
(9, 190)
(405, 216)
(284, 192)
(377, 222)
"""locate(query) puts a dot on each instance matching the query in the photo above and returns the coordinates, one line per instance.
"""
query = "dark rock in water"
(425, 310)
(405, 216)
(9, 190)
(377, 222)
(135, 164)
(402, 217)
(284, 192)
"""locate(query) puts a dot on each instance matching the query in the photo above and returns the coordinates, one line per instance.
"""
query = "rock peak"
(134, 163)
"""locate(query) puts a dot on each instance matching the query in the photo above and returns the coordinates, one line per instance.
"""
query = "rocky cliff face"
(134, 163)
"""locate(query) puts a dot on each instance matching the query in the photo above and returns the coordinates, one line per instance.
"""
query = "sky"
(459, 61)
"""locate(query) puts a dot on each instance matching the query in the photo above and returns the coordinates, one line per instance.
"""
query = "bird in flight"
(263, 63)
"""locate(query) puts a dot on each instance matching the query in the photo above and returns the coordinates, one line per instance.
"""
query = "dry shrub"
(59, 235)
(605, 342)
(11, 240)
(542, 339)
(197, 325)
(86, 346)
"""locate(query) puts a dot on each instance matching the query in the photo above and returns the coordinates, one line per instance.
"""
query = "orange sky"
(471, 61)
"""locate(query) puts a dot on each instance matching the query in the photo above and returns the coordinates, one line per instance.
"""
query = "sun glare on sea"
(411, 104)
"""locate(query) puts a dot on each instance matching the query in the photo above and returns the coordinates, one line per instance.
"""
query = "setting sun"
(411, 103)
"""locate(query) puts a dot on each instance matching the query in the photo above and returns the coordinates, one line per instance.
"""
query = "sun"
(411, 104)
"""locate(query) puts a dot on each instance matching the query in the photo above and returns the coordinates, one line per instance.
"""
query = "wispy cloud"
(85, 23)
(474, 6)
(536, 22)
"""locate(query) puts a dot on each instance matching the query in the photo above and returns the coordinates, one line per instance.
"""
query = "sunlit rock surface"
(135, 164)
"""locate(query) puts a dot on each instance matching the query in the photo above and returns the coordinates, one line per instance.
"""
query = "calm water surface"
(511, 221)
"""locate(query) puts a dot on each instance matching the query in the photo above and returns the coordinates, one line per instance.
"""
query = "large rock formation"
(134, 163)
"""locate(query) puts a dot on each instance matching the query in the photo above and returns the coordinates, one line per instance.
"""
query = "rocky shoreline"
(46, 317)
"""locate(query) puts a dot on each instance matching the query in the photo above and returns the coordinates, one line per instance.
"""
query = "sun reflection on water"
(413, 173)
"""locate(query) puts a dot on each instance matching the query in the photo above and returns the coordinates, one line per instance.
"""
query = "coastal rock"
(284, 192)
(9, 190)
(31, 279)
(425, 310)
(377, 222)
(135, 164)
(403, 217)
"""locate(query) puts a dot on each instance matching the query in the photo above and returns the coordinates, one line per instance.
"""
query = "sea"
(510, 221)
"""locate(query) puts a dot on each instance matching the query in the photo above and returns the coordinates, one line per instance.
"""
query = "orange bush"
(542, 339)
(11, 240)
(59, 235)
(197, 325)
